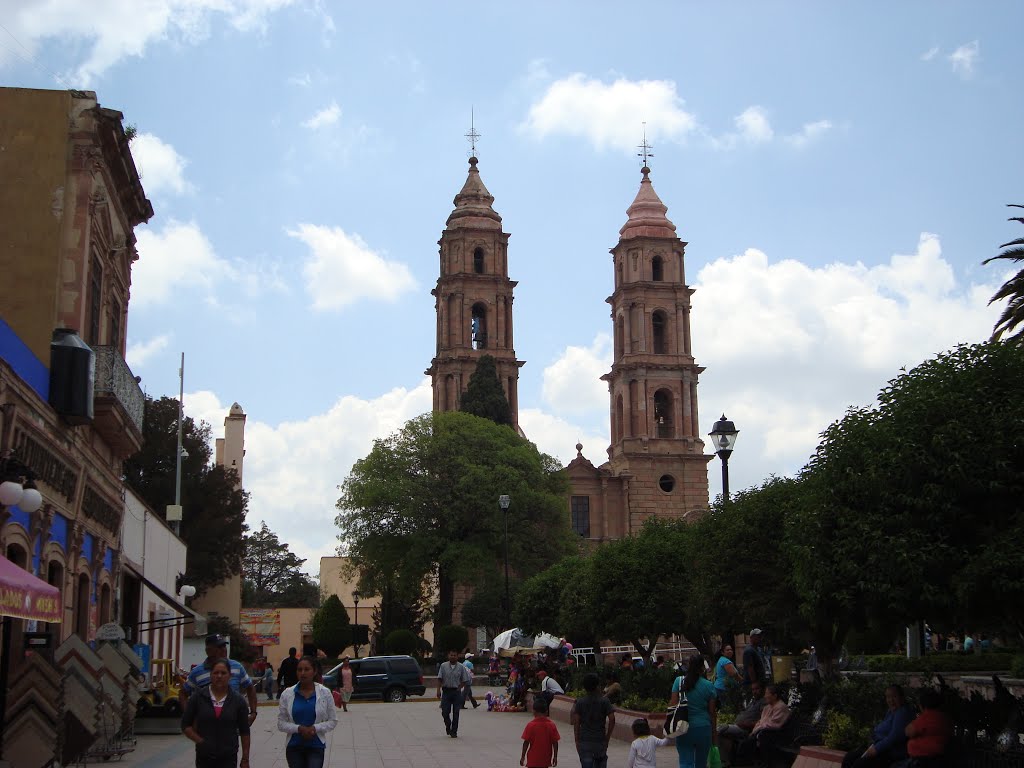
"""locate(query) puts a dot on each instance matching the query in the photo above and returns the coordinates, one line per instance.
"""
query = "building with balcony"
(70, 408)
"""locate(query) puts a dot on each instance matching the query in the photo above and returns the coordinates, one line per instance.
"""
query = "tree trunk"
(445, 600)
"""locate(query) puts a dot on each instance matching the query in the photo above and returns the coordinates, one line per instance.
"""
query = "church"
(656, 464)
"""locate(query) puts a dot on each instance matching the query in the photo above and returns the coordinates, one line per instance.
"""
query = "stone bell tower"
(473, 299)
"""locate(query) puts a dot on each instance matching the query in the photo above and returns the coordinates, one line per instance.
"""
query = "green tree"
(398, 610)
(423, 506)
(273, 575)
(452, 637)
(401, 642)
(484, 395)
(485, 608)
(332, 630)
(556, 600)
(1012, 289)
(213, 523)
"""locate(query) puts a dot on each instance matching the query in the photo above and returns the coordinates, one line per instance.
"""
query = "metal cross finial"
(645, 148)
(472, 135)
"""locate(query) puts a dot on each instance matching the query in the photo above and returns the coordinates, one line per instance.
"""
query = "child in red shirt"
(540, 739)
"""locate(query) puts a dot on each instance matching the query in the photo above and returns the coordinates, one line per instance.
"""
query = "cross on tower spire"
(645, 149)
(472, 135)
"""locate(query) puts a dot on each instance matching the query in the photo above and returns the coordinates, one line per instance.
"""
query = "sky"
(838, 170)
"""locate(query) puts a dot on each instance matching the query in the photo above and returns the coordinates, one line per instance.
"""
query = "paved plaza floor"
(382, 735)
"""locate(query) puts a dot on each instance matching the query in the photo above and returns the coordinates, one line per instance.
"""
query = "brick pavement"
(381, 735)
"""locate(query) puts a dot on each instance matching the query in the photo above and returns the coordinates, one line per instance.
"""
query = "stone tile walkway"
(381, 735)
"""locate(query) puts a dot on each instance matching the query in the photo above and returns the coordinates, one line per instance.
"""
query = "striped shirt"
(199, 677)
(452, 675)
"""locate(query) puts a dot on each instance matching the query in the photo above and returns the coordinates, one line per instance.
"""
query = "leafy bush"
(940, 662)
(451, 638)
(1017, 666)
(841, 732)
(401, 642)
(332, 631)
(642, 704)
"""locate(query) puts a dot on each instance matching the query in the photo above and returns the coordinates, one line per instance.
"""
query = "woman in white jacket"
(306, 711)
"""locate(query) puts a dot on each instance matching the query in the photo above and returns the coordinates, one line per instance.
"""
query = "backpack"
(677, 719)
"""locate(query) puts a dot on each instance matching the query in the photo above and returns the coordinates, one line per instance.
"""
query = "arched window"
(82, 606)
(478, 261)
(620, 418)
(479, 326)
(663, 420)
(104, 604)
(658, 327)
(657, 269)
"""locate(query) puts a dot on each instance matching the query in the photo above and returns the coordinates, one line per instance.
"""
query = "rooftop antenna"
(472, 135)
(645, 149)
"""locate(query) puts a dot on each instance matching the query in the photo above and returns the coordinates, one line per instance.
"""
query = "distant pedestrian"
(287, 673)
(216, 718)
(346, 683)
(642, 750)
(467, 691)
(268, 681)
(307, 714)
(593, 720)
(451, 678)
(754, 666)
(549, 687)
(540, 739)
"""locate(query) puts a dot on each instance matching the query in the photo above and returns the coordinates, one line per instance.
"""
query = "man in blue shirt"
(199, 677)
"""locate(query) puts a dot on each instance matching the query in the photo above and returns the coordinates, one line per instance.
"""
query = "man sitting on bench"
(729, 736)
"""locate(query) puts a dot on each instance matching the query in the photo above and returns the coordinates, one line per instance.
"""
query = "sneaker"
(455, 735)
(476, 704)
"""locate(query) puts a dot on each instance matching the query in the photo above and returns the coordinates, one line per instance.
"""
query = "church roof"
(473, 204)
(647, 214)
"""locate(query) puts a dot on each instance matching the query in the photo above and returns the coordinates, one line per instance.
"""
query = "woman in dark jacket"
(216, 718)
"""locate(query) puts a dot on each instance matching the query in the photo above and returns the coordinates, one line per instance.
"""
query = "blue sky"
(838, 170)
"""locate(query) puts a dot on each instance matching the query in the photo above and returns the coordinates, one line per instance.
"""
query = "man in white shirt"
(548, 687)
(451, 678)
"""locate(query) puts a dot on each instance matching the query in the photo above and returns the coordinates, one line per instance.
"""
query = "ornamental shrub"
(450, 638)
(401, 642)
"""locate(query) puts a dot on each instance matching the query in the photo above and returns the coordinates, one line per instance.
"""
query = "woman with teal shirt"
(727, 677)
(306, 712)
(702, 707)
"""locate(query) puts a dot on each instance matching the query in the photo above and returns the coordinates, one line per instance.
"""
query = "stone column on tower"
(473, 299)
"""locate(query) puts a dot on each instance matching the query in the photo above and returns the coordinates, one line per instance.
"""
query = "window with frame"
(95, 299)
(580, 508)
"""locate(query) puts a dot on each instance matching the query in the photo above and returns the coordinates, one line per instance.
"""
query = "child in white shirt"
(641, 751)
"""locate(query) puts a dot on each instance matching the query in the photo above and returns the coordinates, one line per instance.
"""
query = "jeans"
(693, 747)
(304, 757)
(593, 755)
(451, 703)
(231, 761)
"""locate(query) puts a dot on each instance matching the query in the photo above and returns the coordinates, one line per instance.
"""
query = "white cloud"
(327, 116)
(303, 81)
(964, 59)
(113, 30)
(139, 352)
(161, 167)
(753, 126)
(558, 437)
(342, 269)
(292, 470)
(809, 132)
(175, 259)
(572, 384)
(610, 115)
(930, 54)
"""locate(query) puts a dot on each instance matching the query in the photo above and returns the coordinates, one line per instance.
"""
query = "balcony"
(118, 403)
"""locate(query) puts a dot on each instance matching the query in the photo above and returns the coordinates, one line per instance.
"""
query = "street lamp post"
(503, 502)
(355, 626)
(723, 437)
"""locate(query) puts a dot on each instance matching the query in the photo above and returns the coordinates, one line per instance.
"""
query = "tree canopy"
(1013, 289)
(213, 523)
(332, 628)
(423, 505)
(273, 576)
(484, 395)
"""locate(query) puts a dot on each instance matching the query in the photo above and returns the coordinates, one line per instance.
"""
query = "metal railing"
(115, 378)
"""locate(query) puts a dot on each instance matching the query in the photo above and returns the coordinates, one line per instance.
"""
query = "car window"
(336, 671)
(405, 666)
(372, 668)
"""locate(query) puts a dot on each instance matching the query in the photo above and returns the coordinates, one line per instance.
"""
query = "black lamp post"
(503, 502)
(723, 437)
(355, 625)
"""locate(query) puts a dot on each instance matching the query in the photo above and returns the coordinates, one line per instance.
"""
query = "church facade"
(656, 464)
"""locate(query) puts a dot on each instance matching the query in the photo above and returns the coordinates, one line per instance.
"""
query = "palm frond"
(1012, 315)
(1016, 253)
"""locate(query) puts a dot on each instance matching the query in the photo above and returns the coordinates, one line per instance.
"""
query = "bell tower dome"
(473, 299)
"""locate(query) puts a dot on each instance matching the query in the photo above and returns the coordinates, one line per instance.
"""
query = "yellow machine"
(161, 698)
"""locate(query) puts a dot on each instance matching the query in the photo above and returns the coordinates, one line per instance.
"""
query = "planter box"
(561, 710)
(818, 757)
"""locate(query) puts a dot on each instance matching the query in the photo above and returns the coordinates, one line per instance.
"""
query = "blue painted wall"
(29, 367)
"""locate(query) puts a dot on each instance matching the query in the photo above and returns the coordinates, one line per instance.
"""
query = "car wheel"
(394, 694)
(142, 708)
(172, 708)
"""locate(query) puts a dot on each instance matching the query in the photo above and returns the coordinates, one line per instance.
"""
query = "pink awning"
(23, 596)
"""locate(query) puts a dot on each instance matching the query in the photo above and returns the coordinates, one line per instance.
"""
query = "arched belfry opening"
(479, 326)
(657, 269)
(478, 261)
(663, 417)
(659, 326)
